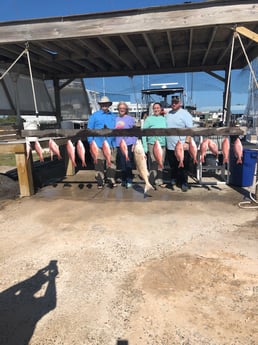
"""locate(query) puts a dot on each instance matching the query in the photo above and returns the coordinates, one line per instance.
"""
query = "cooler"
(242, 175)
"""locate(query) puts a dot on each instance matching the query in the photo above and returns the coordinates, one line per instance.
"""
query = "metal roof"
(189, 37)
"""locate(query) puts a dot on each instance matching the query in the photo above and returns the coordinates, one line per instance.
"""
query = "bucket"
(242, 175)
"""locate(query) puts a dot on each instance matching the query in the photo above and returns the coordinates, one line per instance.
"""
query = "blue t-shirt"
(100, 120)
(125, 121)
(180, 118)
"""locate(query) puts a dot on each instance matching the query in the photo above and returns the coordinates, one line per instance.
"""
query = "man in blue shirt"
(178, 118)
(104, 118)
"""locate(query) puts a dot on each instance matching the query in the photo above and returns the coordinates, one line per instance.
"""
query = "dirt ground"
(88, 267)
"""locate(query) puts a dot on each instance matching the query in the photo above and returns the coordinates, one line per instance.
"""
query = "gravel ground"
(88, 267)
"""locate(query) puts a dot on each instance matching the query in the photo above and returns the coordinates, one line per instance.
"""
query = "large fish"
(203, 149)
(225, 150)
(213, 147)
(107, 152)
(39, 150)
(193, 150)
(124, 149)
(238, 151)
(179, 153)
(54, 149)
(71, 152)
(81, 152)
(141, 164)
(158, 154)
(94, 151)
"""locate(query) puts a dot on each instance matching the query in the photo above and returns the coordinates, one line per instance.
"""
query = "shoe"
(100, 182)
(129, 185)
(123, 184)
(112, 185)
(173, 182)
(184, 187)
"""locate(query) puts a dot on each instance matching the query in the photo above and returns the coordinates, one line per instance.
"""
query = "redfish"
(54, 149)
(238, 150)
(124, 149)
(71, 152)
(158, 154)
(179, 153)
(107, 152)
(141, 164)
(81, 152)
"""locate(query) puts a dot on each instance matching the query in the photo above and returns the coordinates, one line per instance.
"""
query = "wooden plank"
(12, 147)
(24, 170)
(137, 132)
(247, 33)
(131, 21)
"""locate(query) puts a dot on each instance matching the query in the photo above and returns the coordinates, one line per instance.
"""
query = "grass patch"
(7, 159)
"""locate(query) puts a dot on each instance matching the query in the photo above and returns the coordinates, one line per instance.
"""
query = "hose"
(249, 203)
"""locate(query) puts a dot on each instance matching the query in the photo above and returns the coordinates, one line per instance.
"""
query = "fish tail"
(147, 187)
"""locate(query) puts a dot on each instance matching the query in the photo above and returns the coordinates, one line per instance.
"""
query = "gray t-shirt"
(180, 118)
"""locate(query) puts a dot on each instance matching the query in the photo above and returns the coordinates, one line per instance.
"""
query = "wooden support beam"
(247, 33)
(24, 170)
(131, 132)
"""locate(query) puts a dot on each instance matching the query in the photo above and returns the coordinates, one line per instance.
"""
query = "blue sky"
(206, 91)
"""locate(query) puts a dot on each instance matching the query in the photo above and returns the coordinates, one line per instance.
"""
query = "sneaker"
(100, 182)
(129, 185)
(184, 187)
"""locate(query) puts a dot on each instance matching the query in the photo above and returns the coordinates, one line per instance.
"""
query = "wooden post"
(24, 170)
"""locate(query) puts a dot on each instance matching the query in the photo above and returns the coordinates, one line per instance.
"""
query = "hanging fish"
(179, 153)
(193, 150)
(81, 152)
(141, 164)
(158, 154)
(94, 151)
(225, 150)
(71, 152)
(54, 149)
(238, 151)
(213, 147)
(124, 149)
(203, 149)
(28, 149)
(107, 152)
(39, 150)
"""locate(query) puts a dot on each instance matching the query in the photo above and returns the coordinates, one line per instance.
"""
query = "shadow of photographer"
(24, 304)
